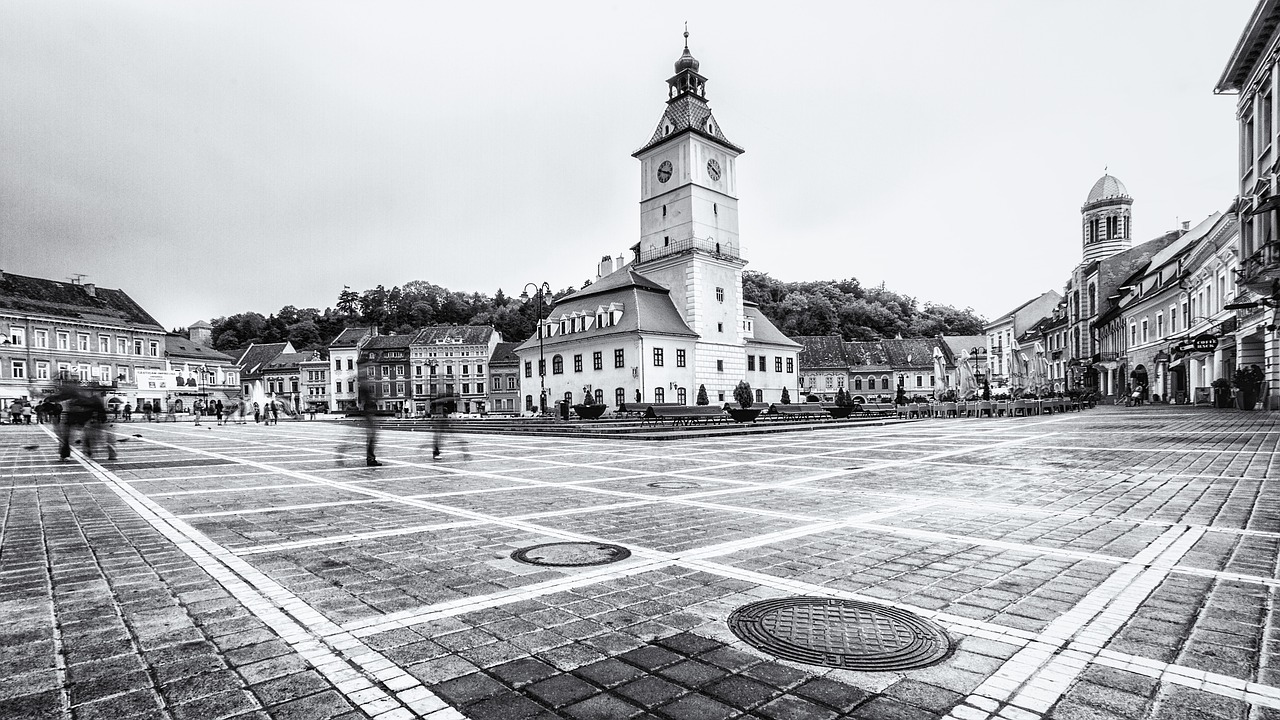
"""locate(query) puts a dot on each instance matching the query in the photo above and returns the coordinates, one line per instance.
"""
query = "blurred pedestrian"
(15, 412)
(26, 413)
(366, 410)
(128, 412)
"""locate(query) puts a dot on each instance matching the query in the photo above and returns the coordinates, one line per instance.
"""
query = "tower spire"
(686, 35)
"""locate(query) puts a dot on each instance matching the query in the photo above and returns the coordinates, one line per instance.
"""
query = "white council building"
(673, 319)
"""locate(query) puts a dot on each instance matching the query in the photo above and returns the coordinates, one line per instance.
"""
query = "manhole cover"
(675, 485)
(840, 633)
(571, 554)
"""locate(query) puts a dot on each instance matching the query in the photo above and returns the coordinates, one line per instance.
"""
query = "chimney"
(1186, 225)
(605, 267)
(90, 289)
(620, 262)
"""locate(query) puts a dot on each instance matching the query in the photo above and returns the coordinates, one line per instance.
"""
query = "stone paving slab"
(1117, 563)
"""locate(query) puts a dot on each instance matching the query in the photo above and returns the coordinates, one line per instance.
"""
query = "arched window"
(528, 402)
(557, 365)
(599, 396)
(568, 396)
(659, 395)
(619, 396)
(759, 395)
(884, 382)
(682, 396)
(857, 383)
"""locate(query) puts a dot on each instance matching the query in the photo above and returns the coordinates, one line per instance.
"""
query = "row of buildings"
(1170, 315)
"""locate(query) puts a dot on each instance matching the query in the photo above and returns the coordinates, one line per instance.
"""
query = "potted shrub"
(744, 397)
(589, 409)
(844, 405)
(786, 397)
(1221, 393)
(1248, 380)
(702, 395)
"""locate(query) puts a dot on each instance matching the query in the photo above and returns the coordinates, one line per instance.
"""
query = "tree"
(742, 394)
(348, 302)
(786, 397)
(702, 395)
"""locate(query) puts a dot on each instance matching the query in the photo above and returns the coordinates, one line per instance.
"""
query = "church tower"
(1105, 220)
(689, 221)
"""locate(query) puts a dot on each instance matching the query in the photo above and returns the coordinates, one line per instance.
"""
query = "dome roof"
(686, 61)
(1106, 187)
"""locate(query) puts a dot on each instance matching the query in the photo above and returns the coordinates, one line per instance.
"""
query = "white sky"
(213, 158)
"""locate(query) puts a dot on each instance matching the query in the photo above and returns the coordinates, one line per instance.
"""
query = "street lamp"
(200, 370)
(540, 291)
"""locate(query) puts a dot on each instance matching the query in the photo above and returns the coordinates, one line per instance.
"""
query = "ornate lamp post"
(539, 292)
(200, 370)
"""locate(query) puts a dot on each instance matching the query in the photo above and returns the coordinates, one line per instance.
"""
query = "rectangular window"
(466, 388)
(496, 384)
(777, 364)
(720, 294)
(528, 368)
(791, 365)
(82, 342)
(597, 360)
(680, 360)
(466, 370)
(619, 358)
(386, 388)
(154, 347)
(42, 340)
(123, 372)
(104, 373)
(104, 344)
(399, 388)
(386, 371)
(479, 369)
(751, 362)
(577, 362)
(763, 360)
(1144, 330)
(64, 342)
(337, 387)
(417, 388)
(42, 371)
(511, 382)
(720, 368)
(350, 365)
(337, 364)
(351, 386)
(719, 327)
(19, 369)
(657, 357)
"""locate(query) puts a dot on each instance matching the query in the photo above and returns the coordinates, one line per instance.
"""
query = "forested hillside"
(821, 307)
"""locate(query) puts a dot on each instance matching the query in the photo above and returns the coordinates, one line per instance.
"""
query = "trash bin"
(564, 410)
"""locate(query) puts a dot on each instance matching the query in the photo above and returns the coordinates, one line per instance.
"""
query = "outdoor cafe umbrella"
(940, 384)
(968, 383)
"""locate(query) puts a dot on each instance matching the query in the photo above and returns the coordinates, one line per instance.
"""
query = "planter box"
(1222, 398)
(1248, 398)
(744, 415)
(590, 412)
(840, 413)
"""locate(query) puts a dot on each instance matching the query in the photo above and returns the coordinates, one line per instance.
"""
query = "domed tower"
(1105, 223)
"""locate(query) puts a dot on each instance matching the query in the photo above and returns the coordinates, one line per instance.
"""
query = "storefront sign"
(1204, 343)
(153, 382)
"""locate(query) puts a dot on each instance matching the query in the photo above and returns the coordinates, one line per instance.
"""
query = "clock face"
(713, 169)
(664, 171)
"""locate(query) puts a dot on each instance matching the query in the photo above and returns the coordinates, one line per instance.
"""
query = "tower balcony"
(676, 247)
(1259, 271)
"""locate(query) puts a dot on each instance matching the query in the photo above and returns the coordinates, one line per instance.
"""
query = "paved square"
(1116, 563)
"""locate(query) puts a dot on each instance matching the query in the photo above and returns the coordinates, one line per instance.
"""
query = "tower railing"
(675, 247)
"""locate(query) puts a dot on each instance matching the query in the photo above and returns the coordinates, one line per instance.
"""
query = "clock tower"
(689, 222)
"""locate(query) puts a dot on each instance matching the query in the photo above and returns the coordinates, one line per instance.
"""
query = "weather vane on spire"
(686, 34)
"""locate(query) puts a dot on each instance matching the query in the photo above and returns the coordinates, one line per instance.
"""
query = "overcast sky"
(214, 158)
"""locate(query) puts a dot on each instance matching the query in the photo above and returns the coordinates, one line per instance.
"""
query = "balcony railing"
(1261, 269)
(1106, 357)
(693, 243)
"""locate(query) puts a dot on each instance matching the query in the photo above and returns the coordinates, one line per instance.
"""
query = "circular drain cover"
(571, 554)
(675, 484)
(840, 633)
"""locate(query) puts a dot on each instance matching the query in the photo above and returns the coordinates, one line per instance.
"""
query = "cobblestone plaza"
(1116, 563)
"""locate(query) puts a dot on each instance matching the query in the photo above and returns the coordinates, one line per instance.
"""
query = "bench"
(805, 411)
(877, 408)
(683, 414)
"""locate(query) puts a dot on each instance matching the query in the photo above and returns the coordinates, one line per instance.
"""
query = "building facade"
(452, 361)
(504, 380)
(344, 351)
(1252, 73)
(198, 372)
(316, 388)
(384, 364)
(54, 330)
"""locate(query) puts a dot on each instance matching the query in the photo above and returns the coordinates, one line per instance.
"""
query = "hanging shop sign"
(1204, 343)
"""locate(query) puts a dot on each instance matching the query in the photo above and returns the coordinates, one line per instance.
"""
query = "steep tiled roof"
(179, 347)
(286, 361)
(763, 332)
(37, 296)
(460, 334)
(821, 351)
(687, 113)
(504, 354)
(251, 359)
(911, 352)
(646, 307)
(349, 337)
(866, 354)
(383, 342)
